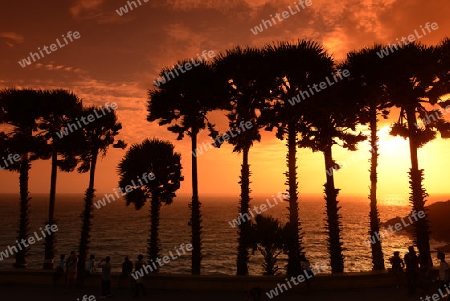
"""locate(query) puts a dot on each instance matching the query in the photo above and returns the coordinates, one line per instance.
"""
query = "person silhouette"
(424, 270)
(412, 270)
(71, 269)
(59, 269)
(90, 267)
(444, 273)
(139, 281)
(127, 268)
(105, 265)
(254, 294)
(306, 268)
(397, 266)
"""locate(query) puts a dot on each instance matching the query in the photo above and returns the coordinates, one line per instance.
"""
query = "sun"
(391, 143)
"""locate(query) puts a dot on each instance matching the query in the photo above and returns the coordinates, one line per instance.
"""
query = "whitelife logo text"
(90, 118)
(53, 47)
(411, 38)
(167, 76)
(147, 268)
(225, 137)
(285, 14)
(397, 227)
(11, 250)
(242, 218)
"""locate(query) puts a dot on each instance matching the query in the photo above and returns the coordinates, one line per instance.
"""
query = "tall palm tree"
(159, 166)
(96, 137)
(331, 119)
(20, 111)
(368, 87)
(414, 81)
(60, 106)
(243, 70)
(294, 68)
(185, 101)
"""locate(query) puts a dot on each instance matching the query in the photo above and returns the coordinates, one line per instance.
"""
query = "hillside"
(439, 218)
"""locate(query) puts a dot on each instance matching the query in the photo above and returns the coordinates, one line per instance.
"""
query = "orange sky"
(117, 58)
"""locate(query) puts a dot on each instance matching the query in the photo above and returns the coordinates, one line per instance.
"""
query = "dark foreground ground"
(45, 292)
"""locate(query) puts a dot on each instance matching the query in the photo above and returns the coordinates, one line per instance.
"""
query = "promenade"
(46, 292)
(363, 286)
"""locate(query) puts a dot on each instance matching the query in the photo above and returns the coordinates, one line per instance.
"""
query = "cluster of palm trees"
(250, 85)
(256, 84)
(32, 119)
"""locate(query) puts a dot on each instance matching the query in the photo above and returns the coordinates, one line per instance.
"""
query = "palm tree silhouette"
(243, 70)
(158, 159)
(21, 110)
(294, 68)
(186, 100)
(331, 118)
(60, 106)
(269, 238)
(368, 87)
(414, 81)
(95, 139)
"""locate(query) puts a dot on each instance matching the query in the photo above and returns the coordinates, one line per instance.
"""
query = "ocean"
(120, 231)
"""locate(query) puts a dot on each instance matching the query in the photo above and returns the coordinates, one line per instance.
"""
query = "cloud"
(82, 5)
(352, 24)
(187, 5)
(95, 10)
(52, 66)
(12, 36)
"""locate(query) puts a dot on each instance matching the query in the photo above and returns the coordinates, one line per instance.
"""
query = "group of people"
(417, 269)
(127, 269)
(68, 270)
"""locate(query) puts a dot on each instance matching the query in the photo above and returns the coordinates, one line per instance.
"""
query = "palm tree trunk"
(196, 216)
(333, 223)
(24, 221)
(50, 240)
(86, 226)
(153, 245)
(295, 247)
(418, 193)
(244, 227)
(377, 252)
